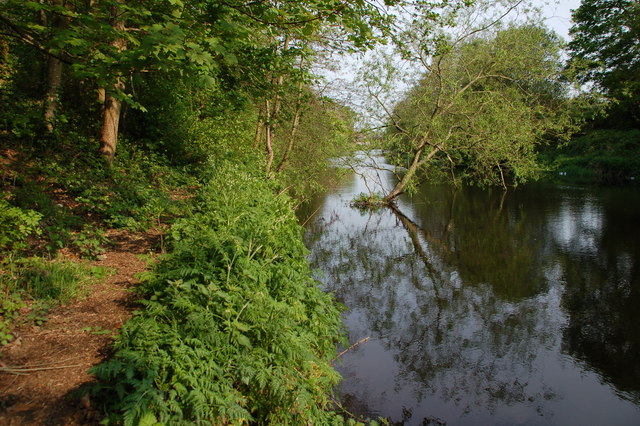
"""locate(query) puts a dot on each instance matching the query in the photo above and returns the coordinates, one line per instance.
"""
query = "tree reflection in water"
(601, 261)
(478, 310)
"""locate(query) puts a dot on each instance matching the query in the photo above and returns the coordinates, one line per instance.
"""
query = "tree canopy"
(231, 43)
(605, 48)
(482, 105)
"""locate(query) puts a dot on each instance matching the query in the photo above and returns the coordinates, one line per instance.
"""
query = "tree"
(235, 42)
(319, 129)
(293, 38)
(485, 99)
(54, 72)
(605, 49)
(107, 41)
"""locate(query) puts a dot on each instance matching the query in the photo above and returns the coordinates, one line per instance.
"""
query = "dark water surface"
(486, 308)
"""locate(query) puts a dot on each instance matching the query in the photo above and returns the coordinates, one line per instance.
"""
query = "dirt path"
(54, 359)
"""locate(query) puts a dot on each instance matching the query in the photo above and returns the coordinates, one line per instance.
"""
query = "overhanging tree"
(484, 101)
(296, 31)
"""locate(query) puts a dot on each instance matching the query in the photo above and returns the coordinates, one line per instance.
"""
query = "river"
(484, 307)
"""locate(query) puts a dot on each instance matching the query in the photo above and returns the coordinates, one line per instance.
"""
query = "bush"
(235, 329)
(370, 201)
(16, 225)
(609, 156)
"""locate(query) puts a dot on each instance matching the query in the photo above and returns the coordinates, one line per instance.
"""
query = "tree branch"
(18, 33)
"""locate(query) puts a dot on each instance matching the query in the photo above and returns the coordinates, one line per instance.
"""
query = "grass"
(373, 201)
(39, 284)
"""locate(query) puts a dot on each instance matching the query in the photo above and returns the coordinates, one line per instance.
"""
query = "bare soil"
(42, 370)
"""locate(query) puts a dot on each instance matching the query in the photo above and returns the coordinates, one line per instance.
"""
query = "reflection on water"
(485, 307)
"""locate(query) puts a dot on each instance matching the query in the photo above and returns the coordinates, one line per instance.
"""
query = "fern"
(234, 330)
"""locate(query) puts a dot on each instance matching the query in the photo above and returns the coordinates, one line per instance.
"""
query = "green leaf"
(148, 419)
(34, 5)
(243, 340)
(240, 326)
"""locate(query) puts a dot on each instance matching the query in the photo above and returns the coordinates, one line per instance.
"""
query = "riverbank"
(234, 327)
(230, 325)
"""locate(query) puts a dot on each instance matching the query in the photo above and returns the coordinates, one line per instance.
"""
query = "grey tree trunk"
(54, 82)
(417, 161)
(54, 76)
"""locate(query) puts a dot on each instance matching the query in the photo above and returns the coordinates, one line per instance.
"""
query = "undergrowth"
(50, 201)
(40, 284)
(607, 156)
(235, 330)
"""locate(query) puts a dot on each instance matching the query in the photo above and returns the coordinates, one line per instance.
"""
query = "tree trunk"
(54, 81)
(54, 76)
(4, 57)
(292, 137)
(41, 16)
(112, 105)
(101, 97)
(294, 126)
(416, 162)
(268, 135)
(257, 140)
(272, 115)
(110, 124)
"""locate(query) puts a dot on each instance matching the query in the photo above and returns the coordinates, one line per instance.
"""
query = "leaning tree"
(486, 96)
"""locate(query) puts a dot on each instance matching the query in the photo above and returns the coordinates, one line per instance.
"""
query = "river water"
(484, 307)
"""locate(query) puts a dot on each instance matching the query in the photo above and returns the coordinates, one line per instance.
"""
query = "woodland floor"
(53, 359)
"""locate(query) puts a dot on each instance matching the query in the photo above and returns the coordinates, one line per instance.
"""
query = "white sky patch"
(558, 15)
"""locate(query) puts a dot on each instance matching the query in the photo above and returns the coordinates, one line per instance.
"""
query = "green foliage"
(207, 40)
(90, 242)
(326, 131)
(604, 49)
(20, 91)
(16, 225)
(191, 125)
(10, 305)
(608, 156)
(55, 280)
(235, 329)
(369, 201)
(75, 197)
(482, 106)
(143, 188)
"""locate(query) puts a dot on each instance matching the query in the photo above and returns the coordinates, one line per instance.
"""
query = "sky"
(558, 16)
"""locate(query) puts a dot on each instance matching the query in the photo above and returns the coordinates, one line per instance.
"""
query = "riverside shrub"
(234, 329)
